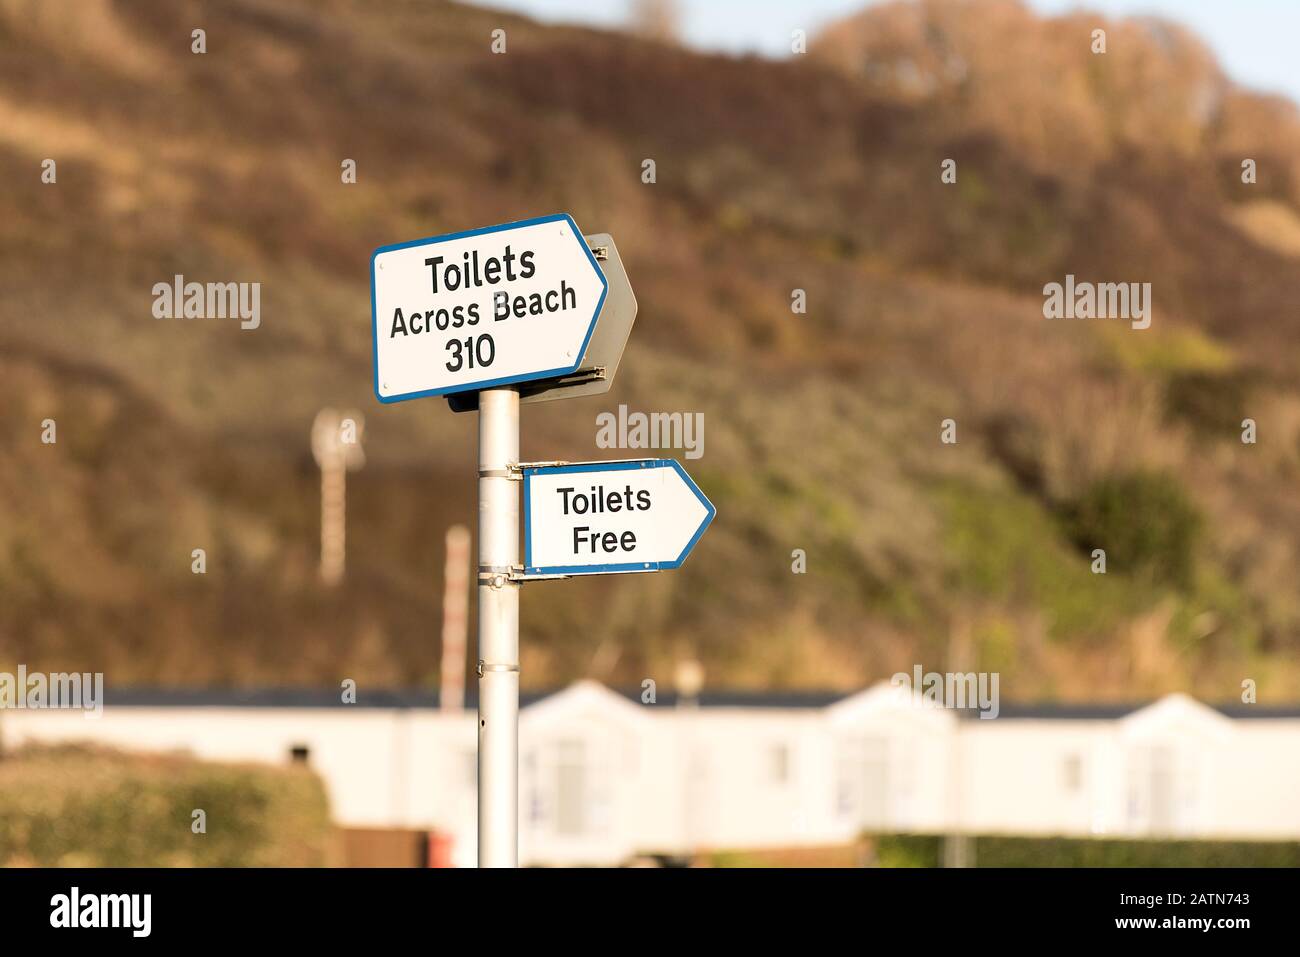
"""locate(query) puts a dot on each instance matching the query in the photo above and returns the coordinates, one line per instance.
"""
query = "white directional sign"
(591, 518)
(483, 308)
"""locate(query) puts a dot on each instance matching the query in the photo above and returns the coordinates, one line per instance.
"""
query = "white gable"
(1175, 716)
(886, 702)
(582, 700)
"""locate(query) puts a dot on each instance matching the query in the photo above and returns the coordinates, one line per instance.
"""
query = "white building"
(605, 778)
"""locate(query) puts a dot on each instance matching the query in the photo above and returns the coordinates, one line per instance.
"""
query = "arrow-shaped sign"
(591, 518)
(483, 308)
(600, 363)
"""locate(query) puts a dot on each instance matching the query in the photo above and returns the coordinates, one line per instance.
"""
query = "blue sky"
(1255, 40)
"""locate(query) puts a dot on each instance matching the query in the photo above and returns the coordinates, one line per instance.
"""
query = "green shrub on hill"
(1144, 521)
(1005, 546)
(1211, 402)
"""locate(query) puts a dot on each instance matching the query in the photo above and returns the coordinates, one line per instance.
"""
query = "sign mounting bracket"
(498, 575)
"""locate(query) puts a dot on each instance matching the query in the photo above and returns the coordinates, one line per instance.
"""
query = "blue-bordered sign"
(483, 308)
(593, 518)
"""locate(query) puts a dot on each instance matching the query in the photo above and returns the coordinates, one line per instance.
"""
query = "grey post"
(498, 629)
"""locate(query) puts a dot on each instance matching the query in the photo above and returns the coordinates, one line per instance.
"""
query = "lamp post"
(336, 445)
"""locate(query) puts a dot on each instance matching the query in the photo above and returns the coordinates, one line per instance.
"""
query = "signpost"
(490, 318)
(594, 518)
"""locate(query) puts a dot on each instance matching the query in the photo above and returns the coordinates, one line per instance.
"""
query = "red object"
(439, 849)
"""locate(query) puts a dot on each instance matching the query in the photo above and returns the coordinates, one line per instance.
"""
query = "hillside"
(821, 430)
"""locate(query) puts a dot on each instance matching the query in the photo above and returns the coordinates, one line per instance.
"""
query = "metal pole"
(498, 629)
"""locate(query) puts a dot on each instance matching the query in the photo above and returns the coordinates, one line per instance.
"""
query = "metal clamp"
(497, 576)
(483, 667)
(511, 472)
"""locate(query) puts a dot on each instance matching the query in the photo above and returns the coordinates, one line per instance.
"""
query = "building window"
(779, 763)
(532, 790)
(299, 753)
(1161, 796)
(1163, 789)
(571, 788)
(862, 788)
(574, 789)
(1073, 773)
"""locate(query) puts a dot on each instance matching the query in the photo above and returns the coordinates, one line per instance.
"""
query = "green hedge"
(926, 850)
(1145, 521)
(79, 806)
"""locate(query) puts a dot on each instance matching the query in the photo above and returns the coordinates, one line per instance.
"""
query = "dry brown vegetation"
(821, 430)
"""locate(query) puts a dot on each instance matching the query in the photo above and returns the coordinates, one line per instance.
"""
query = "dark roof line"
(1066, 711)
(429, 700)
(1059, 711)
(417, 698)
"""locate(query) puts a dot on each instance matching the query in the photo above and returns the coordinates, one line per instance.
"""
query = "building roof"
(799, 700)
(419, 698)
(275, 698)
(1070, 711)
